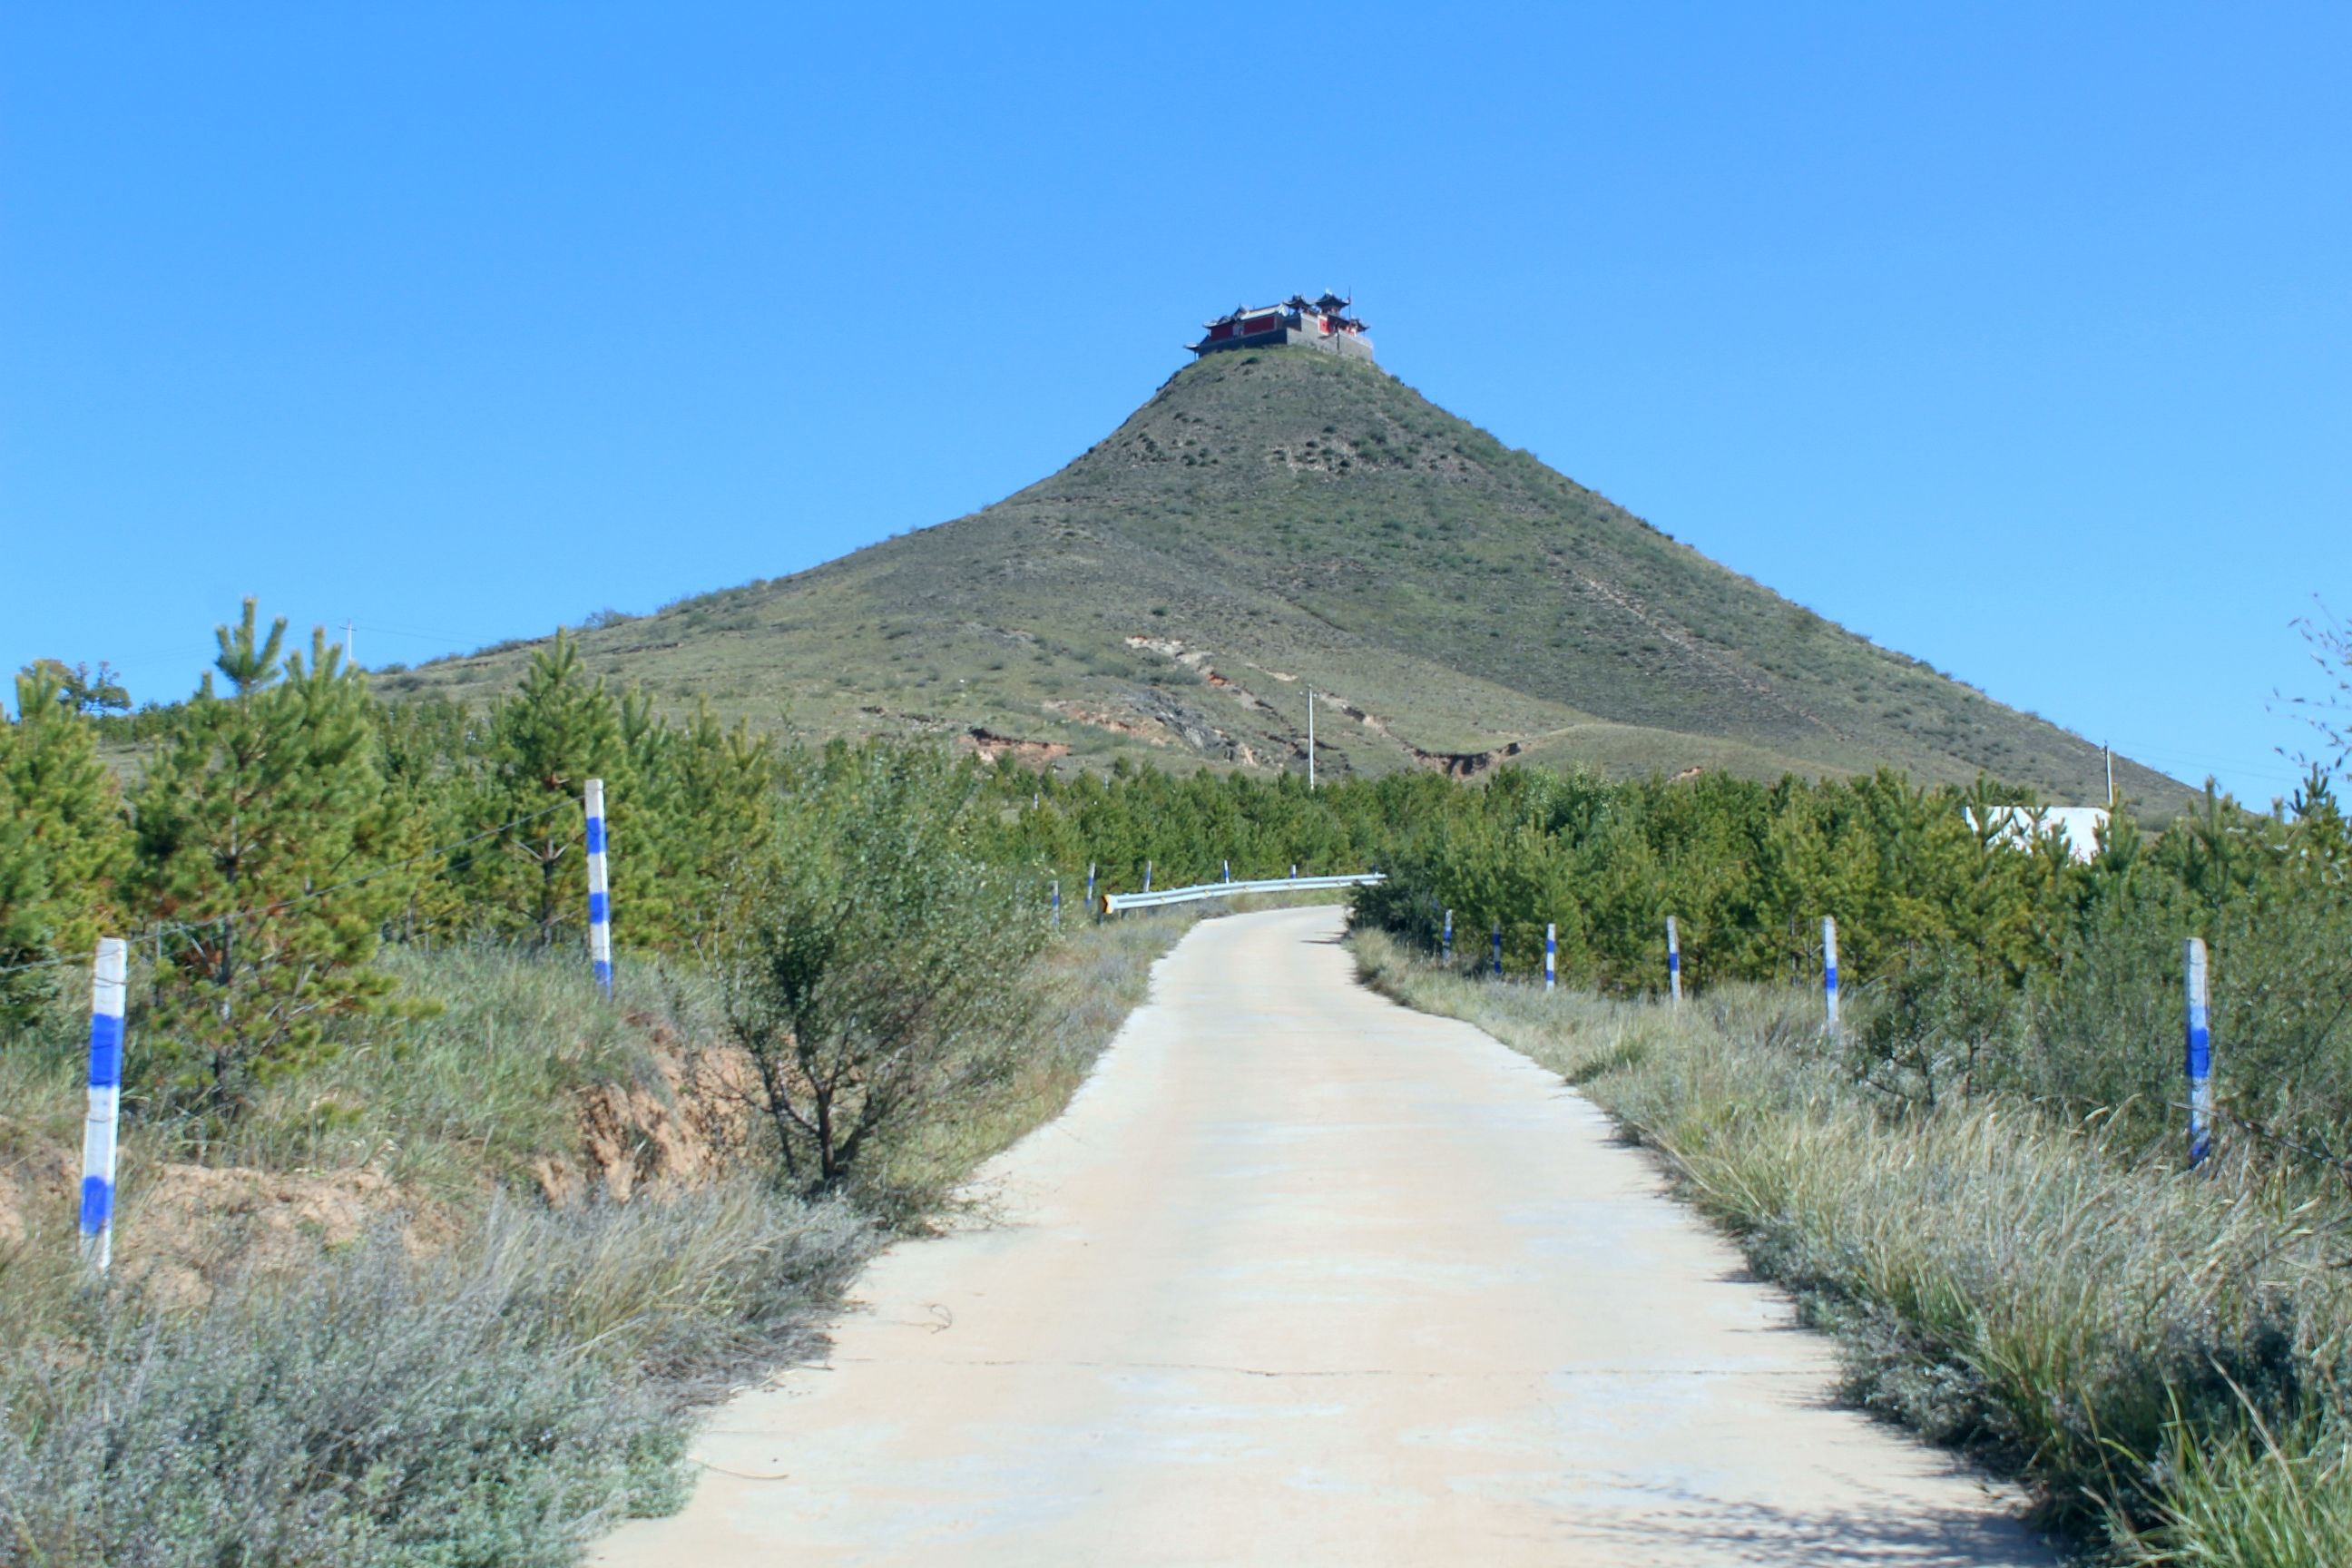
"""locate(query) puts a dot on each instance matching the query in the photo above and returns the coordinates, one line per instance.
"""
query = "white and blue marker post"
(97, 1132)
(600, 895)
(1090, 884)
(1551, 955)
(1058, 901)
(1447, 949)
(2200, 1053)
(1498, 949)
(1829, 969)
(1228, 875)
(1674, 958)
(1147, 876)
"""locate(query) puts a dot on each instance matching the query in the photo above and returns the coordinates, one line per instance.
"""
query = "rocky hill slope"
(1281, 519)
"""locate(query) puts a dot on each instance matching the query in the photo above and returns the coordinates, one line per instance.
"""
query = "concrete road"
(1304, 1278)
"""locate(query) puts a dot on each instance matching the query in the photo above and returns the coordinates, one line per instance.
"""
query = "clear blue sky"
(2017, 338)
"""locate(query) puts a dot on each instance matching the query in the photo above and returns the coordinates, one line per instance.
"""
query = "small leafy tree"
(1943, 1018)
(874, 972)
(255, 827)
(2329, 716)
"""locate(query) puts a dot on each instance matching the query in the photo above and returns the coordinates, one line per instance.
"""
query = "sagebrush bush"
(499, 1404)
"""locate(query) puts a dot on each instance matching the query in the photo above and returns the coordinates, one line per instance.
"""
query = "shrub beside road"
(2162, 1355)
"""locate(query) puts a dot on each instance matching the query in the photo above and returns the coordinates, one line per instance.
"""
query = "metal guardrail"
(1114, 902)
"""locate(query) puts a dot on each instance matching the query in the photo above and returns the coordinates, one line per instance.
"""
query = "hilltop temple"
(1321, 323)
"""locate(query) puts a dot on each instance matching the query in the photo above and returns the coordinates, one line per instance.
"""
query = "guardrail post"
(2200, 1053)
(1551, 953)
(600, 896)
(97, 1132)
(1829, 970)
(1674, 960)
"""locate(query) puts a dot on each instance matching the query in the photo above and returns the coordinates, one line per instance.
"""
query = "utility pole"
(1310, 739)
(349, 657)
(2108, 752)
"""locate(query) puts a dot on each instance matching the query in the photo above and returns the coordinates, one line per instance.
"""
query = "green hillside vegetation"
(426, 1251)
(1273, 520)
(1984, 967)
(377, 1123)
(1979, 1177)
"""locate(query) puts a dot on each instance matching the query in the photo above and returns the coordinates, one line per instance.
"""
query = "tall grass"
(2163, 1357)
(480, 1082)
(2280, 1498)
(472, 1078)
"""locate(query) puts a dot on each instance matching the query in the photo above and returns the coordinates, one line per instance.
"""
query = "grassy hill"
(1273, 520)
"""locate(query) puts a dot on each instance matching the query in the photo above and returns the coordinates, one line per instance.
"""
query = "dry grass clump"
(2162, 1356)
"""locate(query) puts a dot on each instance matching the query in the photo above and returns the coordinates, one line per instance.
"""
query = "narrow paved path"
(1305, 1279)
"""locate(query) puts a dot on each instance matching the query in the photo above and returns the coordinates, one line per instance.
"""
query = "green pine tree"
(63, 841)
(255, 826)
(546, 742)
(430, 753)
(711, 794)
